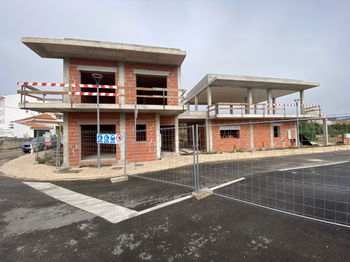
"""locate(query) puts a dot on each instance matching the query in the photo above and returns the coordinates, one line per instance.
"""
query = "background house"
(36, 125)
(9, 112)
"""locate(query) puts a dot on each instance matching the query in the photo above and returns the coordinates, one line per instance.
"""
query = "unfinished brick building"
(146, 77)
(142, 99)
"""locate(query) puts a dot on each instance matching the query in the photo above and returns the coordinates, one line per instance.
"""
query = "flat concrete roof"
(232, 88)
(77, 48)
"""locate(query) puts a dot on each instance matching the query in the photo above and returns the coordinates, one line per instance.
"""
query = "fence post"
(37, 147)
(58, 148)
(194, 158)
(125, 160)
(197, 160)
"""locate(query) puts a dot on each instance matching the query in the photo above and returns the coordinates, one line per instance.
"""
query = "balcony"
(53, 97)
(248, 110)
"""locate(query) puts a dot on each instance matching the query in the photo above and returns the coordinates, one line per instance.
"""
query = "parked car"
(38, 145)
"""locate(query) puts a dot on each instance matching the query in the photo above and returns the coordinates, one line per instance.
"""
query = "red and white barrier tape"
(65, 85)
(304, 105)
(92, 94)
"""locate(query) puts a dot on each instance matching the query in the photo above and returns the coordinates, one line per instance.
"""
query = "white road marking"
(111, 212)
(164, 205)
(310, 166)
(228, 183)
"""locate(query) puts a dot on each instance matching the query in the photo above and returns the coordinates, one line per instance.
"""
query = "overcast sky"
(306, 40)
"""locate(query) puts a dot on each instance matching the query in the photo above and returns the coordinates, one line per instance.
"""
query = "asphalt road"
(36, 227)
(10, 154)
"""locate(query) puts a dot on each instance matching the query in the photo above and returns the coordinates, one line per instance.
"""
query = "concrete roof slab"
(232, 88)
(67, 48)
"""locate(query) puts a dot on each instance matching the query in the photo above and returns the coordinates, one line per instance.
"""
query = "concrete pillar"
(196, 103)
(124, 135)
(121, 82)
(302, 102)
(269, 99)
(66, 98)
(251, 136)
(179, 83)
(272, 144)
(249, 99)
(325, 132)
(297, 140)
(209, 100)
(158, 136)
(208, 135)
(65, 140)
(274, 102)
(177, 141)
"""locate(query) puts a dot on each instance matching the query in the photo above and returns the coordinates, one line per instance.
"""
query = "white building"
(9, 112)
(36, 125)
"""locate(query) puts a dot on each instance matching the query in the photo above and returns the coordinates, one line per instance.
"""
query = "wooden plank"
(233, 104)
(53, 99)
(44, 92)
(31, 88)
(157, 89)
(38, 98)
(167, 96)
(272, 108)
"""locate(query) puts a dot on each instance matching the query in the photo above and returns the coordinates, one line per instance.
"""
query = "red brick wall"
(282, 140)
(130, 81)
(229, 144)
(74, 132)
(346, 141)
(262, 136)
(136, 151)
(141, 151)
(74, 74)
(167, 120)
(130, 78)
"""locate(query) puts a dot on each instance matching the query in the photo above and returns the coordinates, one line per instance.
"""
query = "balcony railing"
(70, 93)
(265, 110)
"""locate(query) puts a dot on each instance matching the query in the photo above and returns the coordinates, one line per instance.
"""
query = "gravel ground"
(25, 167)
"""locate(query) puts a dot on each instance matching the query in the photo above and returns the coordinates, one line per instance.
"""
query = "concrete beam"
(151, 72)
(106, 69)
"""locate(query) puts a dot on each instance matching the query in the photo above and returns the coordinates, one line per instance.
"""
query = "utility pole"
(97, 78)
